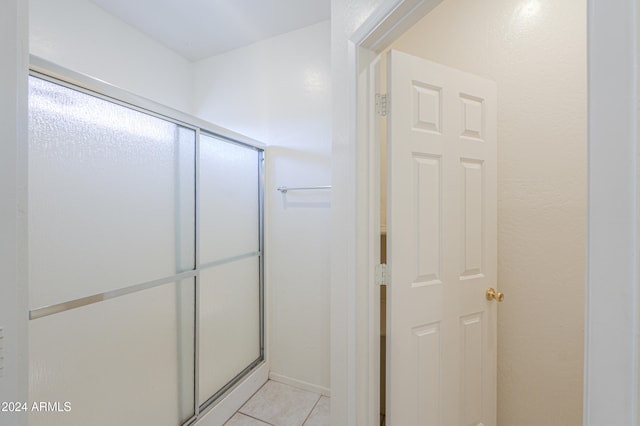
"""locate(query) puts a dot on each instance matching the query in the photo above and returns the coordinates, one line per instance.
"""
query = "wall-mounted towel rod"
(284, 189)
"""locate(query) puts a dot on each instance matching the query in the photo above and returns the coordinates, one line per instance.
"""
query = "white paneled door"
(441, 328)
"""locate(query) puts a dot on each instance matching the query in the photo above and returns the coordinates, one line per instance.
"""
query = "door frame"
(612, 317)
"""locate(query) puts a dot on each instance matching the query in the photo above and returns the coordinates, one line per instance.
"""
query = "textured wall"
(536, 52)
(78, 35)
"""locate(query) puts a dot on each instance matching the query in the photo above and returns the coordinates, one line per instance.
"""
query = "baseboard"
(299, 384)
(223, 410)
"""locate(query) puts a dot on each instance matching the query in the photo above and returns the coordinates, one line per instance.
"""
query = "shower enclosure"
(145, 259)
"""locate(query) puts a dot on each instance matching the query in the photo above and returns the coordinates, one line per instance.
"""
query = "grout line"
(271, 424)
(247, 401)
(313, 408)
(256, 418)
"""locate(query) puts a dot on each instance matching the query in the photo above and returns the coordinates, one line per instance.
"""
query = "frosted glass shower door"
(230, 328)
(111, 261)
(110, 195)
(145, 260)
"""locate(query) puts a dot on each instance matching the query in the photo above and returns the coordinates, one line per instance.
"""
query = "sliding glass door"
(229, 258)
(145, 243)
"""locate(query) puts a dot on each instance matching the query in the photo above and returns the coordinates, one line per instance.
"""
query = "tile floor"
(277, 404)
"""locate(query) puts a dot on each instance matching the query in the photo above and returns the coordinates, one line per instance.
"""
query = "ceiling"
(197, 29)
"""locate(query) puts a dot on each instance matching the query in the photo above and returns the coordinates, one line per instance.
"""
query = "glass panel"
(228, 200)
(110, 195)
(185, 199)
(229, 323)
(124, 361)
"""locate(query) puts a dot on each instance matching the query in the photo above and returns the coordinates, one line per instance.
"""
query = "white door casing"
(441, 329)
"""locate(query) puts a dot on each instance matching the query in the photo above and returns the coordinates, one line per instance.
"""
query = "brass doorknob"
(494, 295)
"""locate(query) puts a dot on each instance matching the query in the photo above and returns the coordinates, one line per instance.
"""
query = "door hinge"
(382, 104)
(382, 274)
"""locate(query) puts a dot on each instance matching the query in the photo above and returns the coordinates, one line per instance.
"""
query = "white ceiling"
(197, 29)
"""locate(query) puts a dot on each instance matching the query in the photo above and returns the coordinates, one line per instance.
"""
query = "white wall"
(13, 226)
(278, 91)
(535, 50)
(78, 35)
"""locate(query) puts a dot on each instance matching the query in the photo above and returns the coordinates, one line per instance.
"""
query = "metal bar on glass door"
(111, 294)
(285, 189)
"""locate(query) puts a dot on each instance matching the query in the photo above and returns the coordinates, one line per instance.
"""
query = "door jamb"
(369, 40)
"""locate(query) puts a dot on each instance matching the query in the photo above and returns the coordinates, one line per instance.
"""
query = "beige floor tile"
(280, 404)
(320, 416)
(242, 420)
